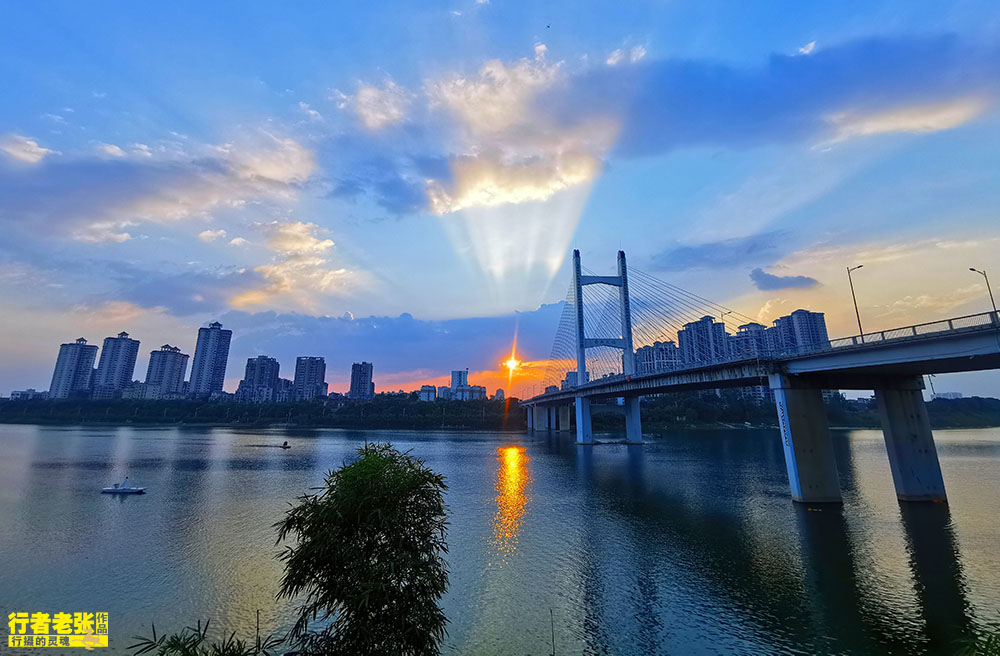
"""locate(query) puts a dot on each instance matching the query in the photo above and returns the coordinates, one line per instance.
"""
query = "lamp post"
(983, 273)
(856, 313)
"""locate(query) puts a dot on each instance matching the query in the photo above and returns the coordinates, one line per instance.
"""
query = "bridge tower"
(633, 425)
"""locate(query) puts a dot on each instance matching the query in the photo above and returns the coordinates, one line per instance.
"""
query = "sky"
(404, 183)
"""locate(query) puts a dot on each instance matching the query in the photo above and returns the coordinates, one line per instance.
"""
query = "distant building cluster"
(76, 376)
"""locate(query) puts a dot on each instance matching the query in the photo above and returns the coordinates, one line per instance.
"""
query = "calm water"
(689, 544)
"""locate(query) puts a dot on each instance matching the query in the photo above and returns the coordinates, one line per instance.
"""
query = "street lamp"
(983, 273)
(858, 314)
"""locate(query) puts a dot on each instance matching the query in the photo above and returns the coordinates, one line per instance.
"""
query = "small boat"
(123, 488)
(286, 445)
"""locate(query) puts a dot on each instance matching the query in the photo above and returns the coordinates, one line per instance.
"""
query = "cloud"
(237, 241)
(480, 182)
(499, 96)
(208, 236)
(111, 150)
(300, 272)
(807, 48)
(674, 103)
(378, 107)
(769, 282)
(916, 119)
(95, 199)
(621, 55)
(23, 149)
(726, 253)
(310, 112)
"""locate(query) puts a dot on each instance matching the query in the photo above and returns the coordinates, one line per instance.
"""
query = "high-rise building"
(362, 386)
(799, 331)
(703, 342)
(260, 382)
(750, 341)
(310, 378)
(208, 370)
(116, 366)
(459, 379)
(499, 396)
(427, 393)
(74, 369)
(444, 393)
(659, 356)
(165, 373)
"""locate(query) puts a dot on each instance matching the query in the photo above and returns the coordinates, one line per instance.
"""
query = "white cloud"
(807, 48)
(103, 232)
(301, 271)
(111, 150)
(377, 107)
(482, 182)
(211, 235)
(238, 241)
(276, 159)
(620, 55)
(915, 119)
(23, 149)
(310, 112)
(499, 96)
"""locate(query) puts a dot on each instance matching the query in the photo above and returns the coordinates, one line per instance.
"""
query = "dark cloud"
(674, 103)
(723, 254)
(394, 344)
(769, 282)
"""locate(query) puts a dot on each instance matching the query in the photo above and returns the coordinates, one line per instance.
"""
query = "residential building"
(659, 356)
(459, 379)
(427, 393)
(499, 396)
(116, 366)
(310, 378)
(27, 395)
(74, 370)
(260, 381)
(165, 373)
(570, 379)
(750, 341)
(800, 331)
(211, 353)
(444, 393)
(362, 386)
(468, 393)
(703, 342)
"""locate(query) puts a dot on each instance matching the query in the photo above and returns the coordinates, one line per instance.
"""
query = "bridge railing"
(916, 331)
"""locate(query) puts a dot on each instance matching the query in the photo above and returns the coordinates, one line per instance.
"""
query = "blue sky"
(328, 178)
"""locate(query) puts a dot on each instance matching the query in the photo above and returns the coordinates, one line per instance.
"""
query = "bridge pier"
(584, 431)
(805, 436)
(564, 421)
(633, 423)
(913, 459)
(531, 417)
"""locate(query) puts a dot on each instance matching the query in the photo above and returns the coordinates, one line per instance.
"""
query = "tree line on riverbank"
(407, 412)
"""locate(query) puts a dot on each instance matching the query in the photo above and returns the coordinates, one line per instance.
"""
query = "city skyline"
(339, 191)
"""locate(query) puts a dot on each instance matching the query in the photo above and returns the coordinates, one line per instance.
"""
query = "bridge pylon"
(633, 424)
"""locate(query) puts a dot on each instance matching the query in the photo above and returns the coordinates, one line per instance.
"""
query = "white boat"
(124, 488)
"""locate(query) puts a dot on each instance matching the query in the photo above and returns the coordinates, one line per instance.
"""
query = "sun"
(512, 364)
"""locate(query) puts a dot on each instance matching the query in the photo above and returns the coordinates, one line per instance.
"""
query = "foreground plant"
(192, 641)
(368, 557)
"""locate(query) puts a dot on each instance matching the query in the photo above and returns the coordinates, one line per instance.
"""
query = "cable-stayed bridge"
(683, 347)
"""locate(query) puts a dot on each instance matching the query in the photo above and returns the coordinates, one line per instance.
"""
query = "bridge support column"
(564, 417)
(812, 470)
(531, 417)
(633, 423)
(550, 418)
(584, 433)
(909, 442)
(541, 418)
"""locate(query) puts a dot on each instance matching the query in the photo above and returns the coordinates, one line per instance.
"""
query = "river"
(687, 544)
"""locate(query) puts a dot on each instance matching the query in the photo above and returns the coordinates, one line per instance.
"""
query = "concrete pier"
(805, 437)
(633, 423)
(584, 432)
(909, 442)
(564, 420)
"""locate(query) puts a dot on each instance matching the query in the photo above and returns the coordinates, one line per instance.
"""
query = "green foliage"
(368, 558)
(986, 643)
(192, 641)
